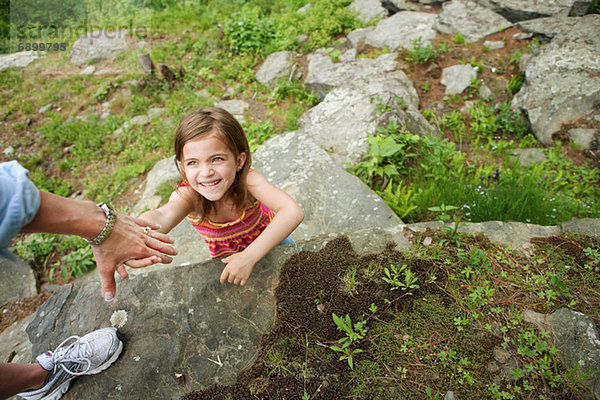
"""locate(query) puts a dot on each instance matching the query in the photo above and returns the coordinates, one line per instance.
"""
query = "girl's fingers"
(122, 271)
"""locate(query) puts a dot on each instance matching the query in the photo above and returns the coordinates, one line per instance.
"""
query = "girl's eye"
(191, 163)
(216, 159)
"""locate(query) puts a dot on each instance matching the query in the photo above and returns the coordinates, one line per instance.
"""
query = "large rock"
(473, 21)
(324, 75)
(562, 81)
(341, 123)
(179, 321)
(17, 60)
(520, 10)
(277, 65)
(235, 107)
(98, 45)
(576, 336)
(368, 10)
(16, 279)
(402, 29)
(333, 200)
(549, 27)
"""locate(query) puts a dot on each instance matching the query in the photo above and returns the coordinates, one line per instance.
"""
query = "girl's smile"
(210, 166)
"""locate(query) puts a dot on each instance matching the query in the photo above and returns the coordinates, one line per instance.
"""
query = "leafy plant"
(458, 38)
(400, 277)
(388, 152)
(77, 262)
(443, 211)
(353, 334)
(277, 362)
(419, 53)
(399, 199)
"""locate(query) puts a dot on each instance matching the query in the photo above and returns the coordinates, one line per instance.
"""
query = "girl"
(238, 212)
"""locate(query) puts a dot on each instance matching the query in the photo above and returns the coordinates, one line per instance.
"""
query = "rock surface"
(562, 81)
(474, 22)
(16, 279)
(457, 78)
(18, 60)
(402, 29)
(519, 10)
(98, 45)
(368, 9)
(277, 65)
(183, 321)
(577, 338)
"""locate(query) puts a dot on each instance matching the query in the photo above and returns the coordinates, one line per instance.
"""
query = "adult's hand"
(127, 243)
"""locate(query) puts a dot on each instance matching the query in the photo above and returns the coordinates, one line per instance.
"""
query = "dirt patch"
(295, 358)
(16, 310)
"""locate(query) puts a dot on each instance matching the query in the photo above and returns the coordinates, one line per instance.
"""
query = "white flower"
(118, 319)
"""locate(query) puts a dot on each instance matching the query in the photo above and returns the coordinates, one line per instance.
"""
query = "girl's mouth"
(210, 184)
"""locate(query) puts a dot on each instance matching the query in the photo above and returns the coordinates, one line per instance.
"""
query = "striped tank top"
(231, 237)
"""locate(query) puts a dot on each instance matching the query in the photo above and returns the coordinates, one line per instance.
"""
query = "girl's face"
(210, 167)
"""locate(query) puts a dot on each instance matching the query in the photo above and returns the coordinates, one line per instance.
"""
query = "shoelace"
(76, 352)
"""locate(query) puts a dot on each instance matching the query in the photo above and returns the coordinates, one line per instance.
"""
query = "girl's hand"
(238, 269)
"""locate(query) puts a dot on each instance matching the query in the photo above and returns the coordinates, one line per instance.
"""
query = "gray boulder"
(368, 10)
(576, 336)
(277, 65)
(98, 45)
(457, 78)
(333, 200)
(402, 29)
(16, 279)
(341, 123)
(586, 139)
(179, 321)
(324, 75)
(520, 10)
(237, 108)
(18, 60)
(528, 156)
(562, 81)
(472, 20)
(547, 28)
(357, 37)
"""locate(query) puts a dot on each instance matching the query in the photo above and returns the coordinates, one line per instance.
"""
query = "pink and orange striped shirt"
(231, 237)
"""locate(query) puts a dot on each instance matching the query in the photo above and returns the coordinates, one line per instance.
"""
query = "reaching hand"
(238, 269)
(128, 243)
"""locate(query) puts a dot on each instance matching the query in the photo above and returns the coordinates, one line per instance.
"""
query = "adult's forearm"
(67, 216)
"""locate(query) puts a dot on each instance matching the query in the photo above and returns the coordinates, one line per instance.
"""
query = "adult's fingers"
(158, 244)
(107, 281)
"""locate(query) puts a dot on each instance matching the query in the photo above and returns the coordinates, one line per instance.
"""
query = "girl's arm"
(288, 215)
(171, 213)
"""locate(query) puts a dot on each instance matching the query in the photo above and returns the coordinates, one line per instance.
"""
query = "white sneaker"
(75, 356)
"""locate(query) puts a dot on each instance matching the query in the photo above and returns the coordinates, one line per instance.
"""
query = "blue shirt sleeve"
(19, 201)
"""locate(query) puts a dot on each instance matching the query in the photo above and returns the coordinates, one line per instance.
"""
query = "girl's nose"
(206, 170)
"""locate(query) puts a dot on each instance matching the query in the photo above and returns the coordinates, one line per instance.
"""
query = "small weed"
(350, 281)
(594, 255)
(458, 38)
(400, 277)
(277, 361)
(421, 54)
(353, 333)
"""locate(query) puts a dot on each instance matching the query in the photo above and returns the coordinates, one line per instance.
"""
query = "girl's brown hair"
(220, 123)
